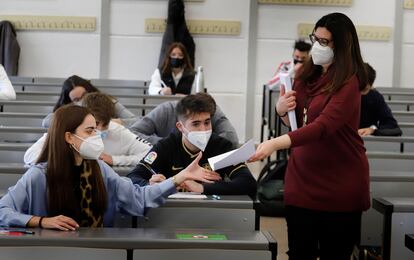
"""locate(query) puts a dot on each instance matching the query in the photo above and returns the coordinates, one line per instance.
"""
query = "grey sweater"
(160, 122)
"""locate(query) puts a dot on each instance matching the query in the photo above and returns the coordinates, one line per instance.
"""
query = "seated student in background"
(121, 146)
(376, 116)
(176, 75)
(160, 122)
(73, 90)
(178, 150)
(71, 188)
(6, 88)
(300, 55)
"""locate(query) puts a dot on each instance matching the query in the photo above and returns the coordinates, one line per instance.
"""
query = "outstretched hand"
(195, 172)
(264, 150)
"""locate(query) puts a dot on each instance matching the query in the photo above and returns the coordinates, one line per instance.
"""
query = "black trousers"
(328, 235)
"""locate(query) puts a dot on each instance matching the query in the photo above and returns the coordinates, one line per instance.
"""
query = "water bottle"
(199, 84)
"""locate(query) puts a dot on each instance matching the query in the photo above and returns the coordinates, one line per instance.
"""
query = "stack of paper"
(233, 157)
(187, 195)
(285, 80)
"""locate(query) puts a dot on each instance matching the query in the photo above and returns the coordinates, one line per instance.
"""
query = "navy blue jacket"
(374, 111)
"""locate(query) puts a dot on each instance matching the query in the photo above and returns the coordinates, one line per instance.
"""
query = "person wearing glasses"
(300, 55)
(327, 178)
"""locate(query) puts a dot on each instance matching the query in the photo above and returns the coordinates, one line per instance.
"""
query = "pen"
(163, 84)
(25, 232)
(216, 197)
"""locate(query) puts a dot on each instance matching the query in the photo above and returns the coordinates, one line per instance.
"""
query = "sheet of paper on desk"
(286, 80)
(233, 157)
(187, 195)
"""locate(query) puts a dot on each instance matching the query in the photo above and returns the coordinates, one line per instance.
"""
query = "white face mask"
(198, 138)
(91, 147)
(78, 103)
(321, 55)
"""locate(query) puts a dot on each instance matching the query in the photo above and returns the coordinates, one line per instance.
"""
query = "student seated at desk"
(160, 122)
(376, 116)
(121, 146)
(176, 75)
(70, 187)
(74, 88)
(174, 153)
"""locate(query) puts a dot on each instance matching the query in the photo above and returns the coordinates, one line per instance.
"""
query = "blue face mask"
(104, 134)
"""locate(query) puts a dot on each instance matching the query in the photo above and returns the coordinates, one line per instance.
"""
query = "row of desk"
(130, 243)
(227, 213)
(225, 228)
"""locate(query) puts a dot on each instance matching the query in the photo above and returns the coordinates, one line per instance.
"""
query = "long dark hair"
(68, 85)
(165, 68)
(61, 163)
(347, 54)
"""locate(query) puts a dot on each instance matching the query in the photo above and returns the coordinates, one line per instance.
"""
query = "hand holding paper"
(285, 79)
(233, 157)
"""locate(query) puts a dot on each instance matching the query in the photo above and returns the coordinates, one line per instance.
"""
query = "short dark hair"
(301, 45)
(371, 74)
(195, 104)
(101, 106)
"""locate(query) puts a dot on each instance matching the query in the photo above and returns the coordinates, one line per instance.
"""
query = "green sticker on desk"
(201, 236)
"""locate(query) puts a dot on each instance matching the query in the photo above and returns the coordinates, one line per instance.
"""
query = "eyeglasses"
(322, 41)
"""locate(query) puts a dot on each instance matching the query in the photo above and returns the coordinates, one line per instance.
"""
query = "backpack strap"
(265, 171)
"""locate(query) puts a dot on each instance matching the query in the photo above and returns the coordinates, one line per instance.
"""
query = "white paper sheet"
(187, 195)
(285, 79)
(233, 157)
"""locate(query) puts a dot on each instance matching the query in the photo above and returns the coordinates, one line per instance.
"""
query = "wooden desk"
(129, 243)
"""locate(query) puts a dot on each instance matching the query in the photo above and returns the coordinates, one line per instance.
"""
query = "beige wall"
(133, 54)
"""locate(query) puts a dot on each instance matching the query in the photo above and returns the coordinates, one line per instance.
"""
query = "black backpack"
(270, 188)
